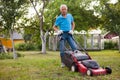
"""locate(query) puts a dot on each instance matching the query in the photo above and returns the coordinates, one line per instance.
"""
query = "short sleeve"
(57, 22)
(72, 19)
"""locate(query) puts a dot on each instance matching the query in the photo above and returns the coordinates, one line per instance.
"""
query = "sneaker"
(62, 65)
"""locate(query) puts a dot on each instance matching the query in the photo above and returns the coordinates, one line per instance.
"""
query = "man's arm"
(73, 25)
(55, 28)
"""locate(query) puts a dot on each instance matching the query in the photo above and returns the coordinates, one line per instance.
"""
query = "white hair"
(63, 5)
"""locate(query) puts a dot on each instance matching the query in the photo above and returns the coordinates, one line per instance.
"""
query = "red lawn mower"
(80, 61)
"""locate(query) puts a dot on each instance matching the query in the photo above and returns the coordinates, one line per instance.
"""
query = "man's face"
(63, 10)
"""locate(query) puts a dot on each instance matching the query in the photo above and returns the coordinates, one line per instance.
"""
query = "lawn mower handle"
(79, 46)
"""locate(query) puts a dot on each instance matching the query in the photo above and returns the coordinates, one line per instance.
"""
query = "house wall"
(8, 43)
(18, 41)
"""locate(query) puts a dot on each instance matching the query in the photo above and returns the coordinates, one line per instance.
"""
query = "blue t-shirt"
(64, 23)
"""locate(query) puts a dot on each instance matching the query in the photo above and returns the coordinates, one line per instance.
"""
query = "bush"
(20, 55)
(24, 46)
(5, 56)
(38, 46)
(27, 46)
(20, 46)
(111, 45)
(9, 55)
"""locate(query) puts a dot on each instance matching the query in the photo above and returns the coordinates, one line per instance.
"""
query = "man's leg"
(62, 48)
(72, 43)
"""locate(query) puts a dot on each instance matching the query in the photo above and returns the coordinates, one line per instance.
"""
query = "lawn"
(36, 66)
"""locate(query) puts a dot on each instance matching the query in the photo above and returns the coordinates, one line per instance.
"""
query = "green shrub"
(5, 56)
(110, 45)
(38, 46)
(20, 55)
(30, 46)
(27, 46)
(20, 46)
(9, 55)
(24, 46)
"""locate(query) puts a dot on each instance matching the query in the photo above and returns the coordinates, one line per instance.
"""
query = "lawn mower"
(80, 61)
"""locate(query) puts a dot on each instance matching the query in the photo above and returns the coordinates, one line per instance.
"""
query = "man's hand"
(71, 32)
(59, 32)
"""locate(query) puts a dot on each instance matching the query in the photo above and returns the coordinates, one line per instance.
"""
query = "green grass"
(36, 66)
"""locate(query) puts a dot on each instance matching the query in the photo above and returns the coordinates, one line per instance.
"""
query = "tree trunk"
(43, 38)
(43, 46)
(50, 45)
(14, 53)
(119, 44)
(54, 43)
(40, 16)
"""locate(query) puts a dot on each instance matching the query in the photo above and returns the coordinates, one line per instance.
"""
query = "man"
(64, 26)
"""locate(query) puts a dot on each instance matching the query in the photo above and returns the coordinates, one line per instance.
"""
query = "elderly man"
(64, 26)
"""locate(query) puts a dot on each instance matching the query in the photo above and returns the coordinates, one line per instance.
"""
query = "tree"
(83, 15)
(111, 17)
(43, 33)
(10, 12)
